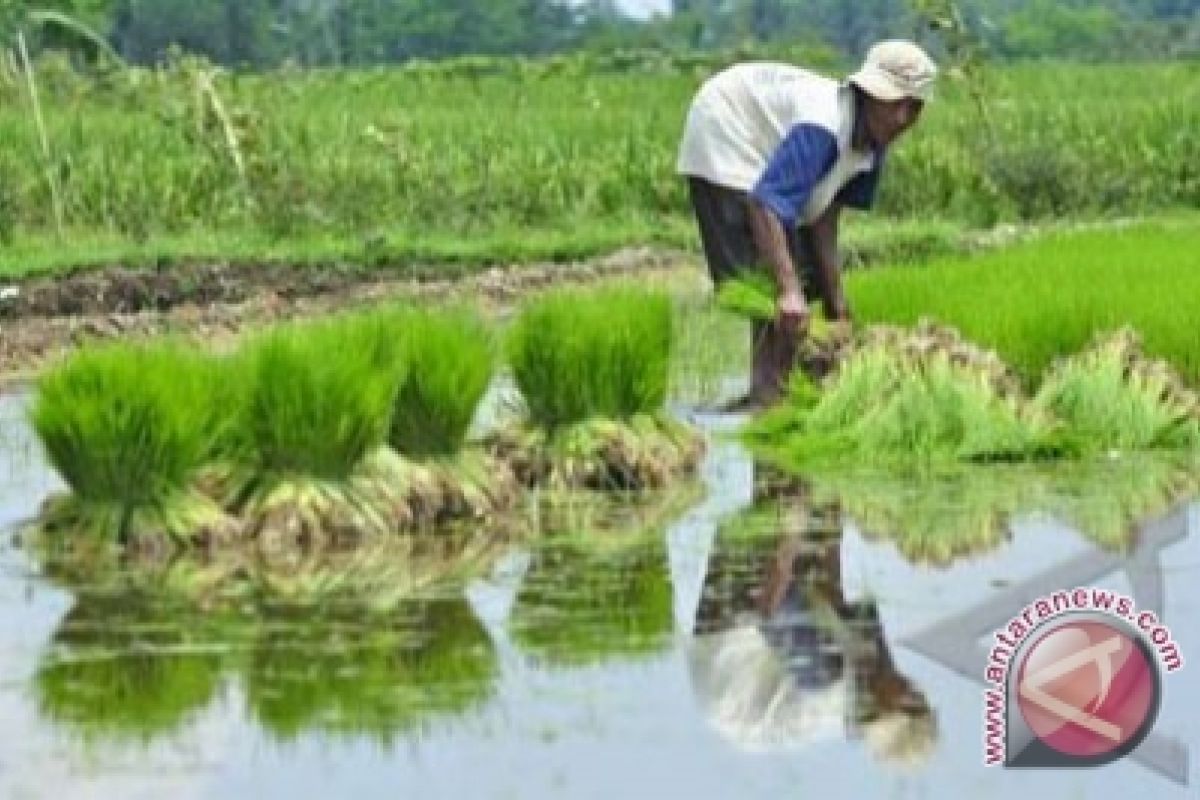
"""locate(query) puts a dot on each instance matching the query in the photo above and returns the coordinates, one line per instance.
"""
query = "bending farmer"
(772, 153)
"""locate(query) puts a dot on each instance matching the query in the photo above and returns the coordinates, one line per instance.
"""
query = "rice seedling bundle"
(593, 369)
(316, 407)
(448, 361)
(425, 475)
(752, 295)
(643, 453)
(421, 495)
(581, 354)
(127, 428)
(921, 396)
(1112, 397)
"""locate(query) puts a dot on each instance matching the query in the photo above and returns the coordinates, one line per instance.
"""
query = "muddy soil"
(42, 319)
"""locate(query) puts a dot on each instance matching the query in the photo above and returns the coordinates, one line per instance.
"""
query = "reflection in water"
(128, 671)
(580, 606)
(598, 586)
(939, 518)
(782, 658)
(129, 668)
(345, 673)
(378, 575)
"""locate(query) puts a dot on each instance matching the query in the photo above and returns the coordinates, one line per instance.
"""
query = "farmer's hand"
(792, 312)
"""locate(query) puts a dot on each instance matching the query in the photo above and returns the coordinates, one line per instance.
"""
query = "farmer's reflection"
(780, 659)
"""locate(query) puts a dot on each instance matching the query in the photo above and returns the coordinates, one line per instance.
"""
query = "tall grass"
(125, 427)
(1038, 301)
(601, 353)
(355, 153)
(447, 359)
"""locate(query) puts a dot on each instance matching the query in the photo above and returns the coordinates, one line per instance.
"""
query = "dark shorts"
(723, 215)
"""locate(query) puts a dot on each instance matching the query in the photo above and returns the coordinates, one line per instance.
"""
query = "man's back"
(740, 115)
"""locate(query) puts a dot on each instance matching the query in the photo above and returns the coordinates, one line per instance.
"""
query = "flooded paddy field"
(637, 668)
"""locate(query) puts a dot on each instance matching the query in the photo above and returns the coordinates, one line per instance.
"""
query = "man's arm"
(829, 262)
(771, 240)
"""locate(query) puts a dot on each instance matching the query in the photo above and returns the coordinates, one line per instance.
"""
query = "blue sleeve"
(860, 192)
(804, 156)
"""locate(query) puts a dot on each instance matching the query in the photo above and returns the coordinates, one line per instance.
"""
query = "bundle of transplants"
(358, 428)
(365, 427)
(925, 396)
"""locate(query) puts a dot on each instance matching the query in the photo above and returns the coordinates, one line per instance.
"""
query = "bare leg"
(774, 357)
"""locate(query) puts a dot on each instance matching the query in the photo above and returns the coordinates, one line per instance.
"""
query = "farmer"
(772, 154)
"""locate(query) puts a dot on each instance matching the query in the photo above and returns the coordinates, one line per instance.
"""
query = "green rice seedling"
(605, 353)
(317, 406)
(922, 397)
(448, 359)
(644, 452)
(750, 295)
(127, 427)
(593, 369)
(443, 362)
(336, 673)
(1050, 297)
(822, 346)
(1111, 397)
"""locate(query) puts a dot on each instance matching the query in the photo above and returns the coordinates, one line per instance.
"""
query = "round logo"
(1089, 689)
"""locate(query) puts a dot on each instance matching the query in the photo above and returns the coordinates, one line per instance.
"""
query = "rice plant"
(1036, 302)
(926, 401)
(335, 153)
(126, 427)
(1113, 398)
(604, 353)
(448, 360)
(317, 402)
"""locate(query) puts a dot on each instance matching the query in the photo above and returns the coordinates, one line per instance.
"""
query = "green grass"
(448, 360)
(389, 164)
(597, 353)
(447, 253)
(126, 428)
(1048, 298)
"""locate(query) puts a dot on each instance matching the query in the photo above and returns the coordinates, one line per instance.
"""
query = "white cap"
(896, 69)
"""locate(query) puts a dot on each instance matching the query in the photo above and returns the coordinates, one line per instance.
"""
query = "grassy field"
(447, 166)
(1050, 297)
